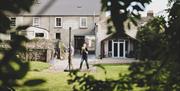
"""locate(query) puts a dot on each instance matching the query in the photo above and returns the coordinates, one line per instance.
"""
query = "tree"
(158, 69)
(151, 38)
(11, 66)
(151, 43)
(161, 73)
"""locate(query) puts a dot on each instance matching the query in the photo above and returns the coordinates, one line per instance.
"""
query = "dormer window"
(83, 22)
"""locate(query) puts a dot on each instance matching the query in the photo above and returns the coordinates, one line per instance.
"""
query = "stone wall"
(36, 50)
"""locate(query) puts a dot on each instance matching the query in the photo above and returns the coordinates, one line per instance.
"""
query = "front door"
(78, 43)
(118, 49)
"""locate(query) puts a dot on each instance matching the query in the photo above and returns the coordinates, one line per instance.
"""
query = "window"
(83, 22)
(58, 22)
(39, 34)
(36, 21)
(58, 35)
(13, 21)
(110, 48)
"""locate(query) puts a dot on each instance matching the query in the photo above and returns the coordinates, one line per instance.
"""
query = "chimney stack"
(150, 13)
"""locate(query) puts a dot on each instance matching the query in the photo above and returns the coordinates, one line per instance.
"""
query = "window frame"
(38, 23)
(55, 22)
(81, 19)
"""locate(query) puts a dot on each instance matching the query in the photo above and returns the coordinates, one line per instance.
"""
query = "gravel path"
(61, 65)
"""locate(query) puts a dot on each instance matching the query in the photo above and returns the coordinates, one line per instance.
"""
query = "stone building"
(51, 19)
(54, 20)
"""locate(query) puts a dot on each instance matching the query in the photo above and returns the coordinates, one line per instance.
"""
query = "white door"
(118, 49)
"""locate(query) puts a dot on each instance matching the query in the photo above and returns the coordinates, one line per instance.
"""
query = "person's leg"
(81, 63)
(87, 65)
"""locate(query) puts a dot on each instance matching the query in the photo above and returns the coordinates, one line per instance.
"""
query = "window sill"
(58, 27)
(83, 27)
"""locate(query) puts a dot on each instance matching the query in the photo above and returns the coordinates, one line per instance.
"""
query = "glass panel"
(13, 21)
(58, 36)
(115, 49)
(121, 40)
(121, 49)
(58, 21)
(39, 35)
(36, 21)
(109, 48)
(109, 45)
(126, 47)
(115, 40)
(83, 22)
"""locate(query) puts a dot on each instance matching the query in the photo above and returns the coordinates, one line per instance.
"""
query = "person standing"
(84, 56)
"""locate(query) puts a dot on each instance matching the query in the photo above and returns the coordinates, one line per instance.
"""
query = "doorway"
(118, 49)
(78, 43)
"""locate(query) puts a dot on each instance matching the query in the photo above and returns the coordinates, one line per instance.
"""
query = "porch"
(117, 47)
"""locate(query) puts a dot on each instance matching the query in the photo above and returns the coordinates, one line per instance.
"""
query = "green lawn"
(38, 66)
(57, 81)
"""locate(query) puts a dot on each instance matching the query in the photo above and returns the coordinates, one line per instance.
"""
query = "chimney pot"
(150, 13)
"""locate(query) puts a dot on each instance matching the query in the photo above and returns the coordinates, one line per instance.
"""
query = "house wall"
(101, 33)
(48, 23)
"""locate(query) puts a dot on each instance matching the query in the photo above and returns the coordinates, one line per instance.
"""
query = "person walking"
(84, 56)
(54, 57)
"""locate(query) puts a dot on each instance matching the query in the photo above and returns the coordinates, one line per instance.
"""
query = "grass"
(38, 66)
(57, 81)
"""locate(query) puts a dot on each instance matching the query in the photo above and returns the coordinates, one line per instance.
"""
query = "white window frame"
(36, 23)
(119, 42)
(82, 26)
(55, 23)
(14, 21)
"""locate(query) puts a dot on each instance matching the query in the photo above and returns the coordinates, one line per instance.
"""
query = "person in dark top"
(84, 56)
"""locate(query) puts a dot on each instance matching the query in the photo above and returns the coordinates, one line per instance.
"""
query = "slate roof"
(65, 7)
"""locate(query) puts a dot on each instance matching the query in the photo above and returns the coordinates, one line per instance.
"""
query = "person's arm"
(86, 50)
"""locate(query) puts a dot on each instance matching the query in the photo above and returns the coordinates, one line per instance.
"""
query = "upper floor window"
(13, 21)
(58, 22)
(83, 22)
(36, 21)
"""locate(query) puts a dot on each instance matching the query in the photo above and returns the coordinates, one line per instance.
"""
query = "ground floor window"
(78, 42)
(39, 35)
(110, 48)
(58, 35)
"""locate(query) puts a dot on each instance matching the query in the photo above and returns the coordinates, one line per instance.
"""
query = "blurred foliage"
(151, 38)
(12, 67)
(90, 83)
(159, 69)
(158, 51)
(150, 49)
(121, 11)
